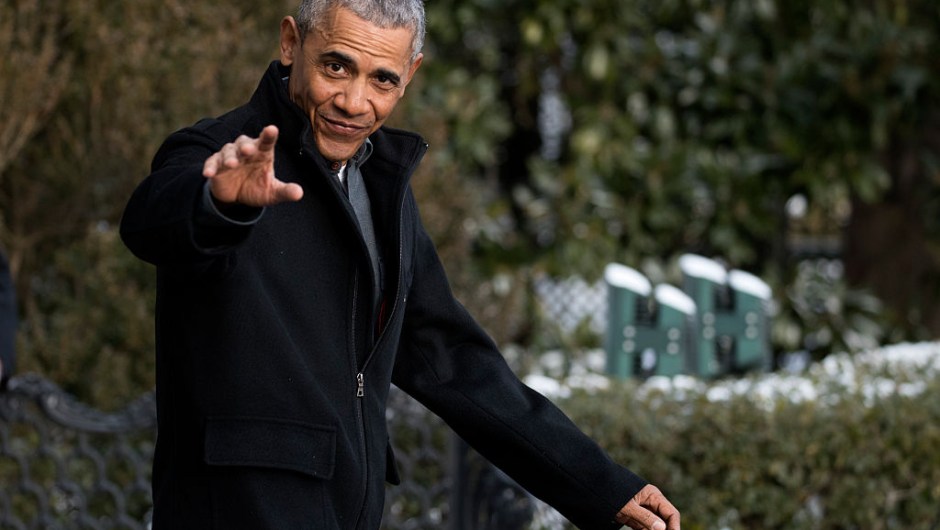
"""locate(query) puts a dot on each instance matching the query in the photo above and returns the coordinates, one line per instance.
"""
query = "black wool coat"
(272, 377)
(8, 321)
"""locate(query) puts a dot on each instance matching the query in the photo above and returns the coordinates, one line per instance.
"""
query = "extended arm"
(168, 219)
(449, 364)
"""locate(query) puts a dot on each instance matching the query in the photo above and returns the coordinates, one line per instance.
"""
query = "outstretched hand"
(242, 172)
(649, 510)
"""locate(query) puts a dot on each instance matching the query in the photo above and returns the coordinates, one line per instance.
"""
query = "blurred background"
(797, 140)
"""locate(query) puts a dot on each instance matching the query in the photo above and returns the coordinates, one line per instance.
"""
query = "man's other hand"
(649, 510)
(242, 172)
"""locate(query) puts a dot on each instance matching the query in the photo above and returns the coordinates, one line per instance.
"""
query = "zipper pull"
(360, 385)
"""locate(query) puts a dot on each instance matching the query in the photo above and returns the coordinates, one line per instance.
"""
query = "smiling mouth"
(343, 128)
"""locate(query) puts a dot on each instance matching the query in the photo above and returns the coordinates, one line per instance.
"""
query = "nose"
(354, 98)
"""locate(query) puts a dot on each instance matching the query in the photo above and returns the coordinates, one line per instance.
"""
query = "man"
(7, 322)
(296, 283)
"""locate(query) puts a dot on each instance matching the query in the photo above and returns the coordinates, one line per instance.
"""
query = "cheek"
(319, 94)
(384, 105)
(300, 93)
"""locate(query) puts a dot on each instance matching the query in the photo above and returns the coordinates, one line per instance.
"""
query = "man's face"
(347, 75)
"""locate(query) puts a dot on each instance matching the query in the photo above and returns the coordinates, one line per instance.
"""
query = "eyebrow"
(347, 60)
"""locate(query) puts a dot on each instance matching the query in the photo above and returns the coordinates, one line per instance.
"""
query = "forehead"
(344, 31)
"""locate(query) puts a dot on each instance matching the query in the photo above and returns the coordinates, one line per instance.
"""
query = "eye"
(335, 68)
(386, 82)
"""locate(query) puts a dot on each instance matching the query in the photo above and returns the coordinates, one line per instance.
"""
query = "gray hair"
(383, 13)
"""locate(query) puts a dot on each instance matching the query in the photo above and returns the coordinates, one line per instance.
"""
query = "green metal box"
(650, 331)
(733, 317)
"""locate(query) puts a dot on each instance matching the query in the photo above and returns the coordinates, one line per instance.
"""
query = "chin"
(339, 153)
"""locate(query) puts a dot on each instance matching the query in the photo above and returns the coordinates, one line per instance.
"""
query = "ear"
(411, 71)
(290, 40)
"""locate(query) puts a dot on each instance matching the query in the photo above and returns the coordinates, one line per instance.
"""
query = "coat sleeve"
(166, 219)
(448, 363)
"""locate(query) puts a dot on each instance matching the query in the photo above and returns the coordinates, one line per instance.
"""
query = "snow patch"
(701, 267)
(618, 275)
(671, 296)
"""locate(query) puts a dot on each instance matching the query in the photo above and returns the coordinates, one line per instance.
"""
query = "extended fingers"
(234, 154)
(226, 158)
(267, 138)
(242, 151)
(289, 192)
(211, 166)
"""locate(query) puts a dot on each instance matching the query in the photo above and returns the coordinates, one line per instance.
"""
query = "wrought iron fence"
(65, 465)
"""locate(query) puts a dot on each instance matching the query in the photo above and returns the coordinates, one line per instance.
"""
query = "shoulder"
(396, 137)
(208, 135)
(228, 126)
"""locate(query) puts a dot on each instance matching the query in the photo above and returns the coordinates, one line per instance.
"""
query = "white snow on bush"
(902, 369)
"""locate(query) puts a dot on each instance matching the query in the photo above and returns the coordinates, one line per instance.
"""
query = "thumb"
(289, 192)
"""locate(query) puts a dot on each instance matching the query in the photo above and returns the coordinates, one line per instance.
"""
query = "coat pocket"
(271, 443)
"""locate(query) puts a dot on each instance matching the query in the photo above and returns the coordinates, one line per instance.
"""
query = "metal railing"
(66, 465)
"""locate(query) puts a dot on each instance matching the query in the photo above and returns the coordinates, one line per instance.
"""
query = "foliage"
(89, 91)
(564, 135)
(34, 60)
(846, 459)
(657, 128)
(94, 329)
(823, 314)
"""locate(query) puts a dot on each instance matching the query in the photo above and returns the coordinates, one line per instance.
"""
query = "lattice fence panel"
(65, 465)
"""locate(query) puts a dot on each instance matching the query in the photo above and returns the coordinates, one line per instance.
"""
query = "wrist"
(229, 212)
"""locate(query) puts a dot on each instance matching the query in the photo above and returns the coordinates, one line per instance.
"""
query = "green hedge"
(854, 446)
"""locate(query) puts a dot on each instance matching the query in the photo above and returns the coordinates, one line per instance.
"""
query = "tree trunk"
(891, 245)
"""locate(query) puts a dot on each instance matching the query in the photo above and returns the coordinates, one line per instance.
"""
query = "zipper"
(363, 447)
(401, 241)
(360, 393)
(360, 374)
